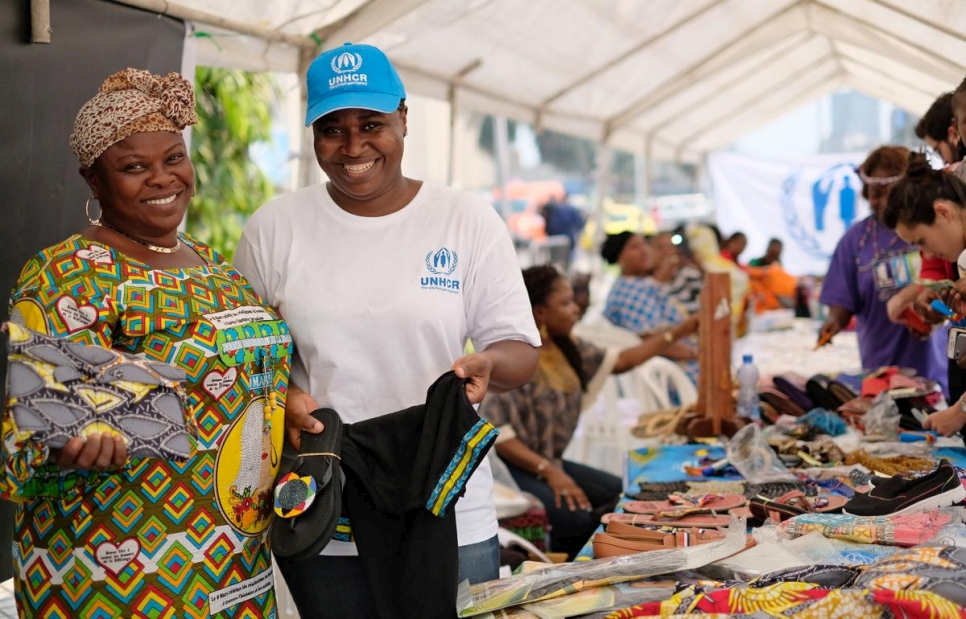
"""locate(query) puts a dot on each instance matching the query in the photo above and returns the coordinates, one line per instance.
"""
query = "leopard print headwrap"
(128, 102)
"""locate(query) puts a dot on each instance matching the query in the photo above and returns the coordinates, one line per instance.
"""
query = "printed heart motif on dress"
(116, 558)
(95, 254)
(76, 317)
(218, 383)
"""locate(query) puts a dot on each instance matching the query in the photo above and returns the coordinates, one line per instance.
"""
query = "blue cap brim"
(376, 102)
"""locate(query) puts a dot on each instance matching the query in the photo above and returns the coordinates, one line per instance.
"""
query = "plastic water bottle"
(748, 405)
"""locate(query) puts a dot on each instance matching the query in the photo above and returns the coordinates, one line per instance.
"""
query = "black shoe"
(896, 495)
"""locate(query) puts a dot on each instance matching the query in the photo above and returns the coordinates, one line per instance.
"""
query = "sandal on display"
(780, 402)
(690, 520)
(308, 496)
(678, 505)
(818, 388)
(623, 539)
(793, 503)
(794, 386)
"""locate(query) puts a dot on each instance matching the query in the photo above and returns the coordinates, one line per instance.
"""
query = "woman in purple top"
(870, 264)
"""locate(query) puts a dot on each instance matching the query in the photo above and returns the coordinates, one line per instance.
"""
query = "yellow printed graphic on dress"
(246, 467)
(29, 313)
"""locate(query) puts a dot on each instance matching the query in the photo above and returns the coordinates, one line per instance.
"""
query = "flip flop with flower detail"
(721, 503)
(793, 503)
(308, 497)
(691, 520)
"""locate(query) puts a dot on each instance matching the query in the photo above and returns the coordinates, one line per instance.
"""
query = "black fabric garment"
(395, 466)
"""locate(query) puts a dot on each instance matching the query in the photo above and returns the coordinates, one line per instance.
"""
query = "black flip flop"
(308, 496)
(817, 389)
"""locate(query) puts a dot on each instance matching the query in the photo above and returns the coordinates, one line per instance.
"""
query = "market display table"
(668, 464)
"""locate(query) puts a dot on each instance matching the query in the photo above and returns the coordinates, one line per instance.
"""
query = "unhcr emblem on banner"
(818, 209)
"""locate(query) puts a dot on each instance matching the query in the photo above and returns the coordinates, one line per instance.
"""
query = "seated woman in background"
(683, 280)
(640, 303)
(537, 420)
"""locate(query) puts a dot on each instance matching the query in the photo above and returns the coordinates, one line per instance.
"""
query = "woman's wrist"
(540, 471)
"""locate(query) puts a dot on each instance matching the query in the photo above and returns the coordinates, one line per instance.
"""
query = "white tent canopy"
(673, 78)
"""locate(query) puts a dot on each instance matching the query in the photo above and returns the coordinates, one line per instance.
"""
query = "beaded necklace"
(871, 231)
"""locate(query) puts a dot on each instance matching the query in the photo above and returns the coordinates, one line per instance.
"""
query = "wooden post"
(716, 401)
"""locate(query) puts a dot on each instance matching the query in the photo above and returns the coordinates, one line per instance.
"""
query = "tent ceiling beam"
(687, 73)
(366, 20)
(590, 75)
(793, 82)
(768, 113)
(171, 9)
(759, 113)
(889, 77)
(764, 61)
(747, 97)
(912, 16)
(887, 35)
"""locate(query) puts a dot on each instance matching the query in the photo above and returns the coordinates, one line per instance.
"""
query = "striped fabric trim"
(343, 530)
(450, 485)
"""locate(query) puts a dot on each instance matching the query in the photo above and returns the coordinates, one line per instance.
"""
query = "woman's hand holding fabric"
(298, 415)
(98, 452)
(475, 371)
(565, 489)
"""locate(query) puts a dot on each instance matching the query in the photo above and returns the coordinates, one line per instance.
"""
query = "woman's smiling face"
(361, 153)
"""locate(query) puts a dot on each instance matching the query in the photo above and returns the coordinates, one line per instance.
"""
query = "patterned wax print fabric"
(160, 537)
(936, 568)
(904, 530)
(543, 415)
(870, 264)
(642, 305)
(795, 599)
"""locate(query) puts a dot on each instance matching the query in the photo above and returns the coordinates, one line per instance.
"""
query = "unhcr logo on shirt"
(346, 67)
(441, 264)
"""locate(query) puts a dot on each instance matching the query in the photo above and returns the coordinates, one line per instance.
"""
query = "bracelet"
(541, 468)
(668, 336)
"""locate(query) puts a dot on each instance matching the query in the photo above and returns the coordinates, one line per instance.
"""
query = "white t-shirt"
(380, 307)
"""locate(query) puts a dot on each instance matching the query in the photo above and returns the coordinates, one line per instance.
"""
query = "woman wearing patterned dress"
(537, 420)
(102, 534)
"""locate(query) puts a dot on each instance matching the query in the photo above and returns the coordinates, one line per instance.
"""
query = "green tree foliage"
(234, 112)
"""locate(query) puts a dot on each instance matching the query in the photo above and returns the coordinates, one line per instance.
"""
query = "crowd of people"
(259, 345)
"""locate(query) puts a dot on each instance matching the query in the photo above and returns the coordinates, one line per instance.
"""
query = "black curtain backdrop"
(44, 86)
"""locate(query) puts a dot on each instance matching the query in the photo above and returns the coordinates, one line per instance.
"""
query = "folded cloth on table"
(909, 530)
(936, 568)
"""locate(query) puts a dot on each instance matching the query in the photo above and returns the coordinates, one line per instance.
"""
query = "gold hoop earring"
(87, 211)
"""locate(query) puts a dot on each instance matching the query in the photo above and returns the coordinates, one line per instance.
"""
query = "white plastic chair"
(657, 377)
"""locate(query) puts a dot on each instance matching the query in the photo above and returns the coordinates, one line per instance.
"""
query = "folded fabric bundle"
(793, 599)
(58, 389)
(908, 530)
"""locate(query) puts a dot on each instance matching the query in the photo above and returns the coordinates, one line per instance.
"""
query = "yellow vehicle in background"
(616, 218)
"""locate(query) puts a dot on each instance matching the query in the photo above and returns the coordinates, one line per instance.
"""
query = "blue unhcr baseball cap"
(352, 76)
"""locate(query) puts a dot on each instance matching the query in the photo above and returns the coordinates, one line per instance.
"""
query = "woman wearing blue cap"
(382, 279)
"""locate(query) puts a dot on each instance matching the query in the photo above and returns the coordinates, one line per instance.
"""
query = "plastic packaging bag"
(750, 453)
(883, 418)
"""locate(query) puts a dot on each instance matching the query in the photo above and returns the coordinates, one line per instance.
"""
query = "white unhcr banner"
(808, 204)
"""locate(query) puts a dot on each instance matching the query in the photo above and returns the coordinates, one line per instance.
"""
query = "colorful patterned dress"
(159, 538)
